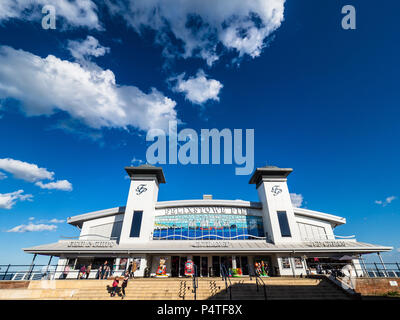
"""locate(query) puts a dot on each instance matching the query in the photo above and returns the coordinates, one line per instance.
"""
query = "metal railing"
(361, 269)
(195, 281)
(225, 276)
(259, 280)
(16, 272)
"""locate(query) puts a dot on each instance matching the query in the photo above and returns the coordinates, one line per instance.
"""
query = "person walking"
(134, 266)
(88, 269)
(114, 287)
(125, 283)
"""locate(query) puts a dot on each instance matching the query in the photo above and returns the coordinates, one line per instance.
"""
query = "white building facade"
(236, 234)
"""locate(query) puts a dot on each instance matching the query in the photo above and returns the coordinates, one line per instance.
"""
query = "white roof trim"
(319, 215)
(208, 202)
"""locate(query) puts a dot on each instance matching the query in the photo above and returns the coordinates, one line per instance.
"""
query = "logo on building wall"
(276, 190)
(140, 189)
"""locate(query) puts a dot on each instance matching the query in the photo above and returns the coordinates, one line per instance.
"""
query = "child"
(114, 287)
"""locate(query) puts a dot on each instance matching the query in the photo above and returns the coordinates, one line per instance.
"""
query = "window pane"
(136, 224)
(284, 224)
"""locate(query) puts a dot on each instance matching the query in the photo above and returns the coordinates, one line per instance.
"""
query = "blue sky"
(322, 100)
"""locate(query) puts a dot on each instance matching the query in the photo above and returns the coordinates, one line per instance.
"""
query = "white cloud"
(198, 89)
(8, 200)
(2, 176)
(31, 218)
(385, 202)
(26, 171)
(83, 49)
(201, 25)
(87, 93)
(56, 221)
(136, 161)
(76, 13)
(297, 200)
(63, 185)
(31, 227)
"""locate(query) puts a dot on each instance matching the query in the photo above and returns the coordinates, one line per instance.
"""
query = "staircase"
(180, 289)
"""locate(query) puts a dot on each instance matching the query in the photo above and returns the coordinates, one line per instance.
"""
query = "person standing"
(104, 270)
(125, 283)
(88, 269)
(130, 269)
(134, 266)
(66, 271)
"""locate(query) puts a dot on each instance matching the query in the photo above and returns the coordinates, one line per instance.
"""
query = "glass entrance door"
(182, 266)
(196, 261)
(216, 272)
(204, 266)
(175, 266)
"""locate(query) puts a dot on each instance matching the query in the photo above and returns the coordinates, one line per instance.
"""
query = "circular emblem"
(276, 190)
(140, 189)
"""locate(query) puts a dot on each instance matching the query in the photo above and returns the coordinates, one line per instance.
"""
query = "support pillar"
(383, 264)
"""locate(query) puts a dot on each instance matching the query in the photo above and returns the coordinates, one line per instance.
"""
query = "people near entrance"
(125, 283)
(162, 268)
(82, 272)
(104, 270)
(189, 268)
(65, 272)
(88, 269)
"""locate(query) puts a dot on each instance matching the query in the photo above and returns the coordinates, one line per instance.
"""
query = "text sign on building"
(211, 244)
(214, 210)
(91, 244)
(327, 244)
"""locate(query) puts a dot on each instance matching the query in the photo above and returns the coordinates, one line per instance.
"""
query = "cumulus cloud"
(26, 171)
(63, 185)
(76, 13)
(33, 173)
(198, 89)
(385, 202)
(297, 199)
(87, 93)
(84, 49)
(31, 227)
(197, 28)
(8, 200)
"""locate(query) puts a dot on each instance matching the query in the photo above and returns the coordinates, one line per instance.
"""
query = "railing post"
(384, 267)
(4, 276)
(377, 269)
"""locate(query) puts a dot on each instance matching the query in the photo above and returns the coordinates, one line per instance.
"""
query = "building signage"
(327, 244)
(214, 210)
(211, 244)
(91, 244)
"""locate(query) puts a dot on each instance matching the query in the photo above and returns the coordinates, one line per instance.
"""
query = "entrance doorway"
(201, 266)
(216, 268)
(175, 266)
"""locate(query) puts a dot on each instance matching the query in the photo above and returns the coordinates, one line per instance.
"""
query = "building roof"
(185, 246)
(146, 169)
(269, 172)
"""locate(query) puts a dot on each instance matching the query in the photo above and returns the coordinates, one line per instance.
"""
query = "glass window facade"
(208, 227)
(136, 224)
(284, 224)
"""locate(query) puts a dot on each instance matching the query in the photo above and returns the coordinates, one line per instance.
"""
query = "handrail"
(195, 281)
(225, 276)
(259, 280)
